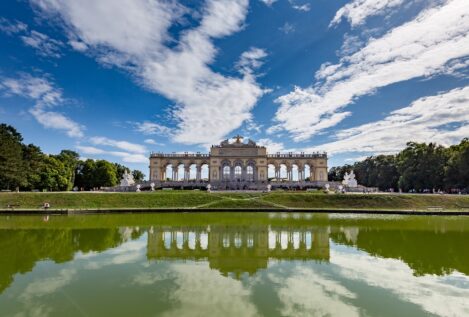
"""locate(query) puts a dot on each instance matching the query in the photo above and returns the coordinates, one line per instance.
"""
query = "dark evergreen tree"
(12, 173)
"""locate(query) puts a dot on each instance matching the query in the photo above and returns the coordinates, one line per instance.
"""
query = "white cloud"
(124, 156)
(357, 11)
(287, 28)
(44, 45)
(421, 48)
(268, 2)
(128, 152)
(272, 147)
(443, 119)
(46, 96)
(251, 60)
(305, 7)
(78, 46)
(150, 128)
(8, 27)
(153, 142)
(132, 34)
(123, 145)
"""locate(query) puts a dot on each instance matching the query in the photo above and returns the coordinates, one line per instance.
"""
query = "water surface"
(234, 264)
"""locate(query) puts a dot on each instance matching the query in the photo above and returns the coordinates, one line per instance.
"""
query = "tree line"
(26, 167)
(419, 167)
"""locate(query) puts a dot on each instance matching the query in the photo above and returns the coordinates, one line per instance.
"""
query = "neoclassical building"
(238, 162)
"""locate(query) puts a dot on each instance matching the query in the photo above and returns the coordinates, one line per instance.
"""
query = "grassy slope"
(195, 199)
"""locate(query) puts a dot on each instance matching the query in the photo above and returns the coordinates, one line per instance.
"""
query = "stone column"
(187, 172)
(198, 175)
(312, 173)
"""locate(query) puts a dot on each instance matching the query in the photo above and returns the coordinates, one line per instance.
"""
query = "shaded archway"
(169, 172)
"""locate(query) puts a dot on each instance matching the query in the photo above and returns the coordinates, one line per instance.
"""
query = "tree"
(105, 174)
(457, 169)
(421, 166)
(52, 175)
(120, 170)
(85, 174)
(12, 173)
(33, 160)
(138, 175)
(336, 174)
(378, 171)
(70, 160)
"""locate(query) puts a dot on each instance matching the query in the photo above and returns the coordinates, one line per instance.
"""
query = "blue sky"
(118, 79)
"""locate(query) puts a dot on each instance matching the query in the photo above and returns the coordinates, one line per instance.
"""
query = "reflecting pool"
(234, 264)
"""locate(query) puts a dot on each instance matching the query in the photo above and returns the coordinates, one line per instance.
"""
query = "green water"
(234, 264)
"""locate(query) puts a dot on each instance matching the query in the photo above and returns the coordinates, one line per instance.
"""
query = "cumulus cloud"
(123, 145)
(127, 151)
(132, 34)
(357, 11)
(443, 119)
(251, 60)
(422, 47)
(46, 97)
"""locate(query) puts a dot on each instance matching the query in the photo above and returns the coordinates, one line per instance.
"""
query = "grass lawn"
(200, 199)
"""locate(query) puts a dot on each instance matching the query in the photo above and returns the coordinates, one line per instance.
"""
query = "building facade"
(238, 162)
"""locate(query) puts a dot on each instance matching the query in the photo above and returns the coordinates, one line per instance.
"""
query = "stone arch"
(225, 172)
(250, 171)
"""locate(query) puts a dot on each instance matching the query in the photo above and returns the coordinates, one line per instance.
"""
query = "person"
(46, 205)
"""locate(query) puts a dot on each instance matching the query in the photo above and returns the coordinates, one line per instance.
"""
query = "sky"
(118, 79)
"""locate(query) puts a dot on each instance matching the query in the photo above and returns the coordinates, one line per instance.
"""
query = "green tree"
(33, 160)
(53, 175)
(120, 170)
(457, 169)
(138, 175)
(70, 160)
(12, 173)
(105, 174)
(85, 174)
(336, 174)
(378, 171)
(421, 166)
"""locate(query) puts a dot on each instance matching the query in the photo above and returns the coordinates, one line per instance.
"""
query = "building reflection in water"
(238, 249)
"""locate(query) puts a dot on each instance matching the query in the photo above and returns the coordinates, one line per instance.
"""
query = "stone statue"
(349, 180)
(127, 179)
